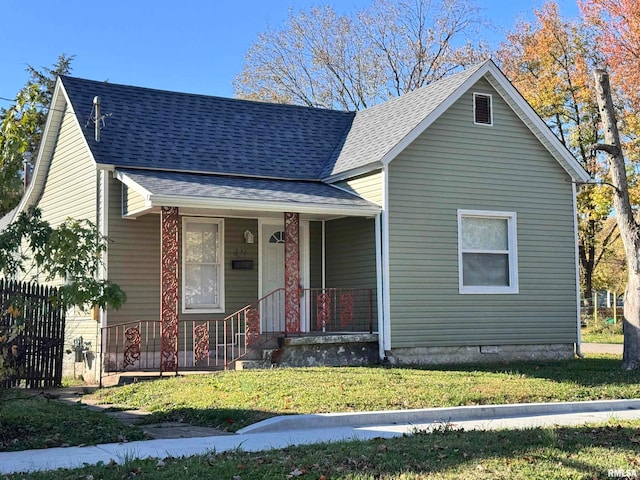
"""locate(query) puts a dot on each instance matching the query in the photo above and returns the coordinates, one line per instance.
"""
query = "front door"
(272, 274)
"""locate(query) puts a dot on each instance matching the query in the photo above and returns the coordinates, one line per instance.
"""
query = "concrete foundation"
(479, 354)
(327, 350)
(85, 369)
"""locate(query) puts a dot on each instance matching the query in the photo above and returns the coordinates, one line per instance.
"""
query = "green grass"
(602, 338)
(232, 400)
(29, 420)
(602, 332)
(585, 452)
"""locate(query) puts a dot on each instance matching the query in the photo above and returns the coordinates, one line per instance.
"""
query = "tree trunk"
(586, 255)
(629, 231)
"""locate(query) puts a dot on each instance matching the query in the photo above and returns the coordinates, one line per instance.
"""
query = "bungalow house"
(439, 226)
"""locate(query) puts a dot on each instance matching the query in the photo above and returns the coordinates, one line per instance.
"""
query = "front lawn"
(232, 400)
(30, 420)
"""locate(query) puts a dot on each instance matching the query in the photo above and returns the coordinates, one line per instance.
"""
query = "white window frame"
(512, 252)
(221, 294)
(479, 94)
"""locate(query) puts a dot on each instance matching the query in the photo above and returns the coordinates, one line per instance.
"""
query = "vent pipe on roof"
(96, 104)
(26, 168)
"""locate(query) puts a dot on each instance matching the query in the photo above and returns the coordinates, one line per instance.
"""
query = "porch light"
(248, 236)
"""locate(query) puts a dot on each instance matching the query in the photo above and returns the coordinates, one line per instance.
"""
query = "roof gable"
(380, 133)
(164, 130)
(378, 130)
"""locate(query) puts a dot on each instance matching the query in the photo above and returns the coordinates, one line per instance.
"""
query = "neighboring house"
(448, 213)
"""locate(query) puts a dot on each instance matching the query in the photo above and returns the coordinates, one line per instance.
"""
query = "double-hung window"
(202, 265)
(487, 256)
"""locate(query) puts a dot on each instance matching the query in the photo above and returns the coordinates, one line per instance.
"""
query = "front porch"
(342, 331)
(284, 274)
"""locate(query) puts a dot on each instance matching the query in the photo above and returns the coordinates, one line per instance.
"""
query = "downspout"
(575, 243)
(98, 329)
(324, 252)
(102, 203)
(386, 292)
(379, 286)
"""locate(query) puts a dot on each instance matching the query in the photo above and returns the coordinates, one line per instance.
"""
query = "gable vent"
(482, 109)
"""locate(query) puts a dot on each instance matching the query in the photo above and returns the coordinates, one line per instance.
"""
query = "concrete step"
(252, 365)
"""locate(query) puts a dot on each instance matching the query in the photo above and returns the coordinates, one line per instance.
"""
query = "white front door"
(272, 272)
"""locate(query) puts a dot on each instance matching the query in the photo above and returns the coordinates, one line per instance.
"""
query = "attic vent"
(482, 109)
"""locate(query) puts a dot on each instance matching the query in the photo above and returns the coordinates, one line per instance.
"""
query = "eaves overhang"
(181, 190)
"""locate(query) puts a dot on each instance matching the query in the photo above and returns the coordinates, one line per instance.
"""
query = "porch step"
(313, 351)
(252, 364)
(258, 358)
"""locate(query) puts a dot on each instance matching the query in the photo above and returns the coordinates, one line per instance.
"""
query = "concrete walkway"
(284, 431)
(613, 348)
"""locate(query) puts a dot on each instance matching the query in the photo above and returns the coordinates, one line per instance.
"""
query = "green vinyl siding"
(241, 286)
(134, 263)
(315, 254)
(134, 260)
(350, 253)
(455, 165)
(367, 186)
(350, 248)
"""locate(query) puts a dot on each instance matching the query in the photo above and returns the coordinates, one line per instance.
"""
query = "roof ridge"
(201, 95)
(467, 72)
(159, 129)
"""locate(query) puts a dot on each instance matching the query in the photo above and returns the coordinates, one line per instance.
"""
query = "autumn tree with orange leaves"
(550, 62)
(617, 23)
(617, 27)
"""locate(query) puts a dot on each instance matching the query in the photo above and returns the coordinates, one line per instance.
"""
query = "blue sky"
(194, 46)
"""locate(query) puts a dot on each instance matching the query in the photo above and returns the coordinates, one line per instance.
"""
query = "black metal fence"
(31, 335)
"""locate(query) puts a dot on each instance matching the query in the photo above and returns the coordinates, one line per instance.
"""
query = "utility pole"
(627, 225)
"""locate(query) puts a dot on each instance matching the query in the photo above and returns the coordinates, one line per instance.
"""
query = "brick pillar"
(169, 249)
(292, 272)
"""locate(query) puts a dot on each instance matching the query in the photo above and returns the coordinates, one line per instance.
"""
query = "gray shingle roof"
(235, 188)
(377, 130)
(185, 132)
(164, 130)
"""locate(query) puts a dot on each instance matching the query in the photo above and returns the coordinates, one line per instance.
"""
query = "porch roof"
(193, 190)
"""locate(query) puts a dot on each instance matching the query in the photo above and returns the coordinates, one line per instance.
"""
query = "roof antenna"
(96, 105)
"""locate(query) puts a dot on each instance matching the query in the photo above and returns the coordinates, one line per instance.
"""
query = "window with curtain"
(203, 265)
(487, 252)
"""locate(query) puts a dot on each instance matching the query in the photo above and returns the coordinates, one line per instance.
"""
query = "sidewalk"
(284, 431)
(613, 348)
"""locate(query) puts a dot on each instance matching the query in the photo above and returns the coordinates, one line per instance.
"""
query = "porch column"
(169, 289)
(292, 272)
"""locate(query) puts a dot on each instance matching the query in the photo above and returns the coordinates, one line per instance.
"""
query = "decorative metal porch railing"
(345, 310)
(202, 344)
(217, 344)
